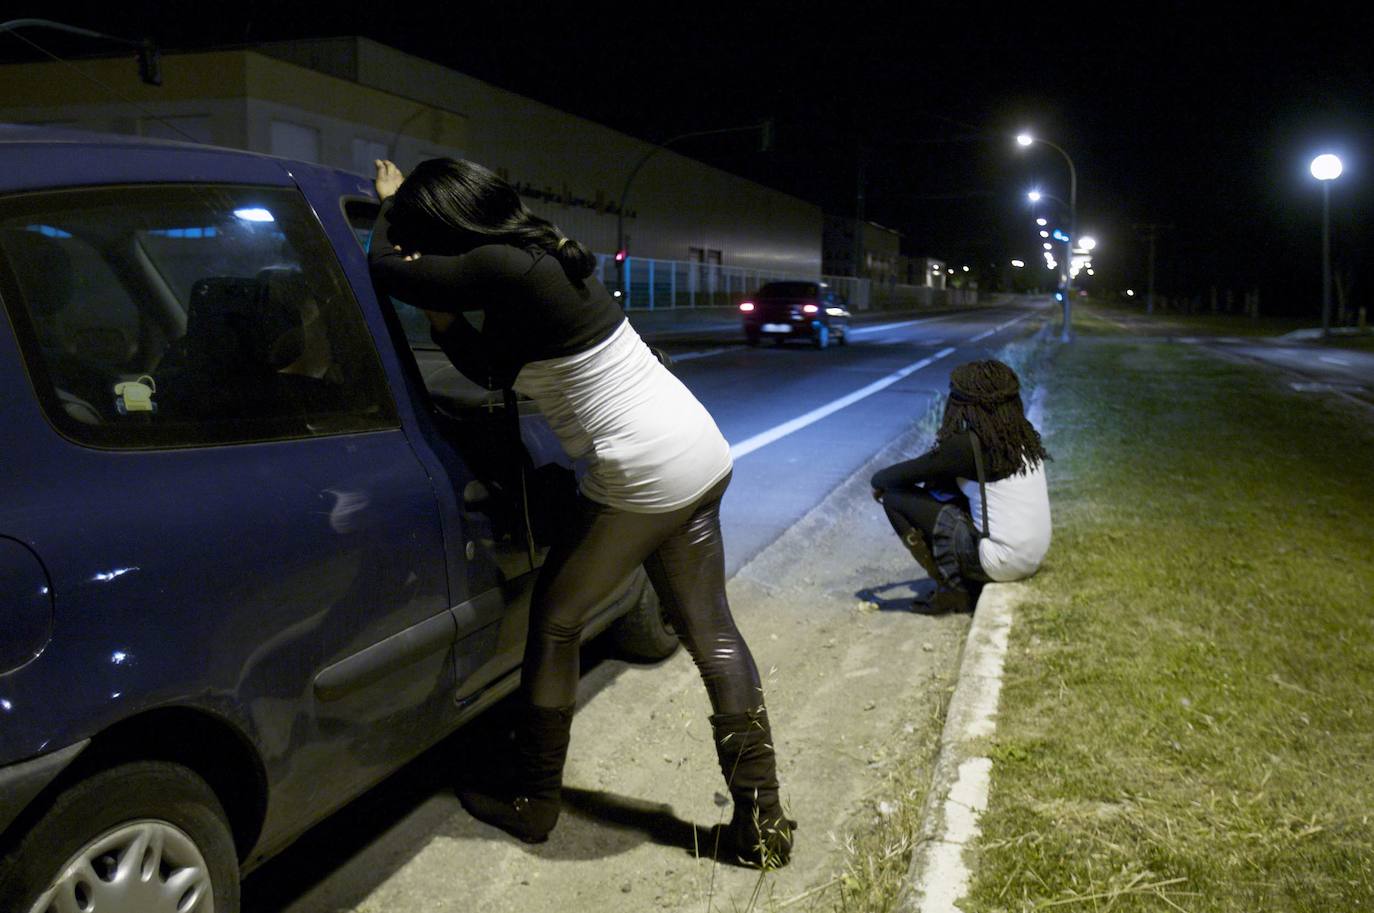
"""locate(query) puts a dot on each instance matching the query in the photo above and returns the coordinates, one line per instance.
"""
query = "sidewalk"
(1184, 719)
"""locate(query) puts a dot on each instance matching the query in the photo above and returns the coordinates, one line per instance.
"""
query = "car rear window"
(181, 315)
(789, 290)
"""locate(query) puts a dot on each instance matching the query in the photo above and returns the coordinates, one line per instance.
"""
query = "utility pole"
(1151, 232)
(859, 218)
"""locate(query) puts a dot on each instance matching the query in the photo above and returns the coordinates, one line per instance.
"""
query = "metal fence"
(654, 285)
(651, 284)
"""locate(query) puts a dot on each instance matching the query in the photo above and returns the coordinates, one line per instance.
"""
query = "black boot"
(916, 544)
(527, 805)
(759, 834)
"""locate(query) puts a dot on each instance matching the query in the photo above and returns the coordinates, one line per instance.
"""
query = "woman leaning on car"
(453, 237)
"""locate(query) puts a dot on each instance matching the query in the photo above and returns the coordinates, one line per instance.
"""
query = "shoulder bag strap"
(982, 484)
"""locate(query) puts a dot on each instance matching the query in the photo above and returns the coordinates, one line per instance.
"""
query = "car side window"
(179, 315)
(362, 215)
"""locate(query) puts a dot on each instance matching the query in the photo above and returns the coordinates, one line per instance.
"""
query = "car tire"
(844, 335)
(822, 337)
(148, 835)
(751, 340)
(644, 634)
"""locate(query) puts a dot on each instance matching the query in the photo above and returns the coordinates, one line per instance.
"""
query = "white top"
(1019, 517)
(651, 446)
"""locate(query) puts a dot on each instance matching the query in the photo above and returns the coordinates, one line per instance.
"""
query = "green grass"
(1187, 720)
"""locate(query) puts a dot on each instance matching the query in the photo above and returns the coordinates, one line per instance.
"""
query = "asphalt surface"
(756, 392)
(802, 541)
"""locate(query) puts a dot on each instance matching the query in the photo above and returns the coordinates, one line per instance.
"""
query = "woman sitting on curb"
(975, 508)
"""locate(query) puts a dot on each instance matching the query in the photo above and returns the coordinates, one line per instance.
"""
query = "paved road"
(1311, 367)
(800, 422)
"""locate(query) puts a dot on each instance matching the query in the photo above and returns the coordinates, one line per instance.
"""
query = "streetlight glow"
(1033, 196)
(966, 269)
(1044, 234)
(1087, 243)
(1042, 221)
(1025, 139)
(1130, 293)
(1048, 246)
(1018, 263)
(1326, 167)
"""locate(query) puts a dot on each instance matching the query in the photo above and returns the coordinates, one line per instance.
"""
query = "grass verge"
(1186, 720)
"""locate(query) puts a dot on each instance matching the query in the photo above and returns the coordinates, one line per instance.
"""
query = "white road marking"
(997, 329)
(877, 327)
(704, 353)
(1333, 360)
(749, 445)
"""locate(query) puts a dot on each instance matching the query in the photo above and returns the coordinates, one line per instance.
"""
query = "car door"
(472, 444)
(218, 484)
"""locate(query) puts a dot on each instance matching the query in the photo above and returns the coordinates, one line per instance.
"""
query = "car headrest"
(43, 268)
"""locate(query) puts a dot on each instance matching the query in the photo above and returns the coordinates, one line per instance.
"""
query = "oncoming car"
(809, 311)
(257, 549)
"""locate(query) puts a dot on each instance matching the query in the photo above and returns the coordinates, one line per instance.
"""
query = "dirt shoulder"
(851, 688)
(855, 689)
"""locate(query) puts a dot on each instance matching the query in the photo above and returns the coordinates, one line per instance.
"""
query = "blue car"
(260, 544)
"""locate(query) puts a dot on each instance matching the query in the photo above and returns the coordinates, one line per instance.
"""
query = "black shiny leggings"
(682, 552)
(912, 507)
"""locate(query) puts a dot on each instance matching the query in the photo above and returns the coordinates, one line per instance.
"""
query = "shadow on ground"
(919, 597)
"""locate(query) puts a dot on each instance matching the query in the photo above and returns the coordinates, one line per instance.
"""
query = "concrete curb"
(939, 875)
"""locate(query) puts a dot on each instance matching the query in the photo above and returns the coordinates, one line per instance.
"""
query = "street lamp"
(1326, 168)
(1025, 140)
(765, 145)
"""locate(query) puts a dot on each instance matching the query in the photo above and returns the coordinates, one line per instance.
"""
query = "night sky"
(1180, 115)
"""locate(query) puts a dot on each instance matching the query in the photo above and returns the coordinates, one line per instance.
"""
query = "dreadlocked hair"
(985, 398)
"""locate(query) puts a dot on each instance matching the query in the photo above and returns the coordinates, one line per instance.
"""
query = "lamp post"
(1066, 274)
(1326, 168)
(1025, 139)
(765, 144)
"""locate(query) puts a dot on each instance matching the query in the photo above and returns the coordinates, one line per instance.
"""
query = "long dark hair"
(985, 397)
(446, 205)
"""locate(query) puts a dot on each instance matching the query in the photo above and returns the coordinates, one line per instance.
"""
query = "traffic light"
(620, 256)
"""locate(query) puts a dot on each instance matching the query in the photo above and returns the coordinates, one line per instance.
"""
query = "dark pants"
(682, 552)
(946, 527)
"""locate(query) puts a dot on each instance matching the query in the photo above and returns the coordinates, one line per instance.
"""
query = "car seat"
(46, 281)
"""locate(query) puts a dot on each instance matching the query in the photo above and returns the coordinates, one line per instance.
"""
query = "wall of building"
(352, 99)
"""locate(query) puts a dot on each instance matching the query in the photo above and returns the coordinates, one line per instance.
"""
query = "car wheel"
(822, 338)
(844, 335)
(751, 339)
(644, 633)
(148, 836)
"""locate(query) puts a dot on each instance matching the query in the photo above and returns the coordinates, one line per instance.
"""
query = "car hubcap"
(143, 867)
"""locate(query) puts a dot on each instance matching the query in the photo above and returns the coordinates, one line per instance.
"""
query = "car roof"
(18, 135)
(42, 133)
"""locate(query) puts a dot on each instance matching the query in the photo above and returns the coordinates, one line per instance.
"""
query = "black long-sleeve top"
(939, 467)
(533, 311)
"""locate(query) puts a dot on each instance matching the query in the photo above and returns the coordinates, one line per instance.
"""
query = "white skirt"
(651, 447)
